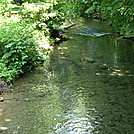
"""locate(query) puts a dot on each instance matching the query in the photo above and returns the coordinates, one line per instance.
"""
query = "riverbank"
(26, 37)
(118, 14)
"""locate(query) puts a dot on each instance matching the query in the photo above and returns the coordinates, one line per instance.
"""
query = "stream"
(85, 87)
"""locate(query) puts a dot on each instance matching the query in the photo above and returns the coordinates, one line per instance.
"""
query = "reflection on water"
(90, 32)
(74, 94)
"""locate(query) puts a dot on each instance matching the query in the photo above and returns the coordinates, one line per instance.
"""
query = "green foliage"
(4, 6)
(71, 8)
(43, 16)
(19, 2)
(18, 50)
(118, 13)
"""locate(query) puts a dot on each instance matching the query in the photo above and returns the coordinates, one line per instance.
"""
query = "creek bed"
(86, 87)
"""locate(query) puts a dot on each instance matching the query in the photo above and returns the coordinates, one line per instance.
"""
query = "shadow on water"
(85, 88)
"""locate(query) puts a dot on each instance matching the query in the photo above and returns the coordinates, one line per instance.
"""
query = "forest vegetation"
(27, 27)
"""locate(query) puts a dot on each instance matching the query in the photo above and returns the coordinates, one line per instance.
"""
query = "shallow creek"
(86, 87)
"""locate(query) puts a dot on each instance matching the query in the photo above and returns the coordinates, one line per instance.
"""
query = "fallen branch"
(128, 37)
(69, 26)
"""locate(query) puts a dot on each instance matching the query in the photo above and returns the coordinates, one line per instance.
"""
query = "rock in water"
(4, 87)
(89, 59)
(1, 99)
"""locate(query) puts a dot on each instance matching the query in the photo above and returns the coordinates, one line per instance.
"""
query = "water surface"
(86, 87)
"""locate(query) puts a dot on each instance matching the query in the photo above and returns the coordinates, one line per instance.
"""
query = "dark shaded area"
(131, 38)
(18, 2)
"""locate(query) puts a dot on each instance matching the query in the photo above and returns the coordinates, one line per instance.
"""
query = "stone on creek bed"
(88, 59)
(1, 99)
(4, 87)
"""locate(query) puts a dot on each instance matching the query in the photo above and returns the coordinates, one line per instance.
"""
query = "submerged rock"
(4, 87)
(1, 99)
(89, 59)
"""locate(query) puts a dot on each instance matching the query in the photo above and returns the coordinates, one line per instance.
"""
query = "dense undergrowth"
(23, 33)
(18, 50)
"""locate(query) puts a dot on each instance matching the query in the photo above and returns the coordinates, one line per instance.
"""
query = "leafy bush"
(19, 2)
(4, 6)
(43, 16)
(17, 50)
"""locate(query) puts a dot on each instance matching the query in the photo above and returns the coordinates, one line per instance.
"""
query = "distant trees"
(119, 13)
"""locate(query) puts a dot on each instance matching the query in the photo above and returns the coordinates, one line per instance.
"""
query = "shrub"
(18, 50)
(43, 15)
